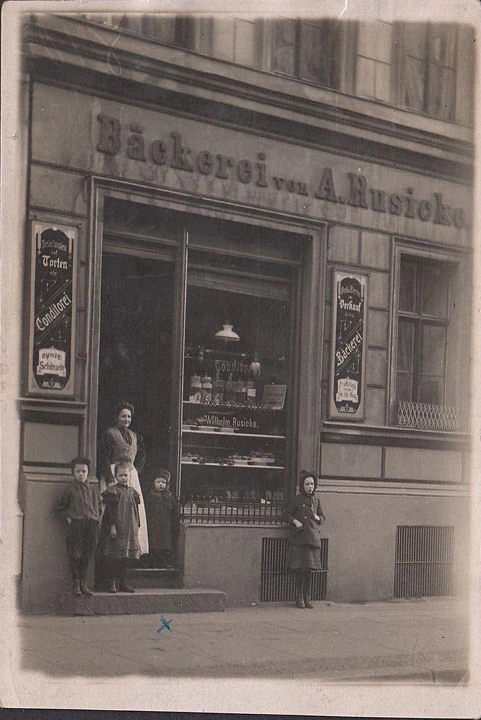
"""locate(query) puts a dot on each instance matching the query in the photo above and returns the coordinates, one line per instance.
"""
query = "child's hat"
(162, 474)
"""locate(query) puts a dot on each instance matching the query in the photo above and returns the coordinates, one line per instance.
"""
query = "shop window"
(237, 392)
(428, 68)
(426, 345)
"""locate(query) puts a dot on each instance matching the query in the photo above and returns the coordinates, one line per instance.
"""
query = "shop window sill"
(392, 435)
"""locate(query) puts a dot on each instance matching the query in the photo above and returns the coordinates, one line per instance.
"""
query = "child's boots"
(123, 584)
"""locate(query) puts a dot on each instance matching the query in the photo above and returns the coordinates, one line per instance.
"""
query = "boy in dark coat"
(82, 507)
(162, 521)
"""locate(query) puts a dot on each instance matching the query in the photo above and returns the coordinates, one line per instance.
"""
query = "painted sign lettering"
(52, 306)
(349, 331)
(353, 189)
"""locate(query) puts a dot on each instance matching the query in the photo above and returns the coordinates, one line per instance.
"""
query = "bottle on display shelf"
(241, 392)
(206, 392)
(230, 394)
(195, 389)
(218, 390)
(251, 393)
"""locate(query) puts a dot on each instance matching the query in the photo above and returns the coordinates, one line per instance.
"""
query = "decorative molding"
(337, 432)
(397, 487)
(151, 94)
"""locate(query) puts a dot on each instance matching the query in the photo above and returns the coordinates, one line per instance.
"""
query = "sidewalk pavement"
(423, 641)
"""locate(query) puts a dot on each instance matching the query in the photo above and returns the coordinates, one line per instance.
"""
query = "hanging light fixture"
(227, 333)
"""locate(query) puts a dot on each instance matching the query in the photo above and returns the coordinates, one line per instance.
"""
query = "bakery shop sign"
(348, 358)
(52, 318)
(172, 151)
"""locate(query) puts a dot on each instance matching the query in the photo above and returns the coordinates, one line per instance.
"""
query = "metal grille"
(235, 513)
(277, 583)
(427, 416)
(424, 561)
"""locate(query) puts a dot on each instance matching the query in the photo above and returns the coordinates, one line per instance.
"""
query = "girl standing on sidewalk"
(305, 516)
(119, 541)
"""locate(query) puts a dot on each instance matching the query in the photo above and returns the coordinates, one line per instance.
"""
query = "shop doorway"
(135, 362)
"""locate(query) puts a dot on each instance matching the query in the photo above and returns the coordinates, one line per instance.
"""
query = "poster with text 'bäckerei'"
(347, 383)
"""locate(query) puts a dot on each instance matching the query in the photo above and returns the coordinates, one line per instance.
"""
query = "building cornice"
(59, 55)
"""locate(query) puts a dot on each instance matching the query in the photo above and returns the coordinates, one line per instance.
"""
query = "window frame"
(336, 60)
(456, 323)
(399, 73)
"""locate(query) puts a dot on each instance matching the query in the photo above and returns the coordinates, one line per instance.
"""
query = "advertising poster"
(346, 396)
(52, 309)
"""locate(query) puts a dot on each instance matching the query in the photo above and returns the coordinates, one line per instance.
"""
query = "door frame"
(306, 418)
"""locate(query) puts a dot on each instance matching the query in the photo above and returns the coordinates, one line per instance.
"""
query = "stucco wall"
(46, 574)
(226, 558)
(362, 536)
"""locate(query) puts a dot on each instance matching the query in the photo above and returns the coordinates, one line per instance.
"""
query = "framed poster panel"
(51, 363)
(348, 346)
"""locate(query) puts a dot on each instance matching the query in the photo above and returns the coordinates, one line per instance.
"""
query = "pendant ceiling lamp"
(227, 333)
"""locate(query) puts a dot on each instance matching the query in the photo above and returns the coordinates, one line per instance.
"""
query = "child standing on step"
(163, 521)
(82, 508)
(119, 535)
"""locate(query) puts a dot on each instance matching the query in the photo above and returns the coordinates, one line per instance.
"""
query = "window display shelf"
(232, 406)
(225, 433)
(232, 465)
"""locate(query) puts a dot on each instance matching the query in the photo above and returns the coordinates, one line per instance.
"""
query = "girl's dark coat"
(303, 508)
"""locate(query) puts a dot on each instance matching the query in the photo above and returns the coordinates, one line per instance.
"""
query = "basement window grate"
(424, 561)
(277, 583)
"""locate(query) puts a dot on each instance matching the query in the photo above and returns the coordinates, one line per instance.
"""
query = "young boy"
(163, 521)
(82, 507)
(119, 539)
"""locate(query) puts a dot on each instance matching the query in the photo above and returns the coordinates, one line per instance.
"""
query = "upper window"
(429, 68)
(307, 49)
(374, 60)
(424, 67)
(427, 367)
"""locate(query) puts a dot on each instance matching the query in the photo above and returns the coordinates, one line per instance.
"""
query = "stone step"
(145, 601)
(155, 577)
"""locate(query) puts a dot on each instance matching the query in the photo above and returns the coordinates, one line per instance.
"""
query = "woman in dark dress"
(305, 516)
(118, 443)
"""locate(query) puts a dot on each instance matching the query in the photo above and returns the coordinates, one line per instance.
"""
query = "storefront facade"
(328, 236)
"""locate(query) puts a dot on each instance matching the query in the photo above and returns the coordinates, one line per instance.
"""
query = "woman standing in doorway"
(119, 443)
(305, 516)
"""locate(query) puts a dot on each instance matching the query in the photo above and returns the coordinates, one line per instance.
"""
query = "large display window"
(236, 393)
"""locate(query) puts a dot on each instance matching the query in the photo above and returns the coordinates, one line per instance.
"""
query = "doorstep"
(155, 577)
(145, 601)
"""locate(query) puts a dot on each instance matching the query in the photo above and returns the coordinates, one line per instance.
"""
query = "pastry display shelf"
(232, 406)
(223, 433)
(233, 465)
